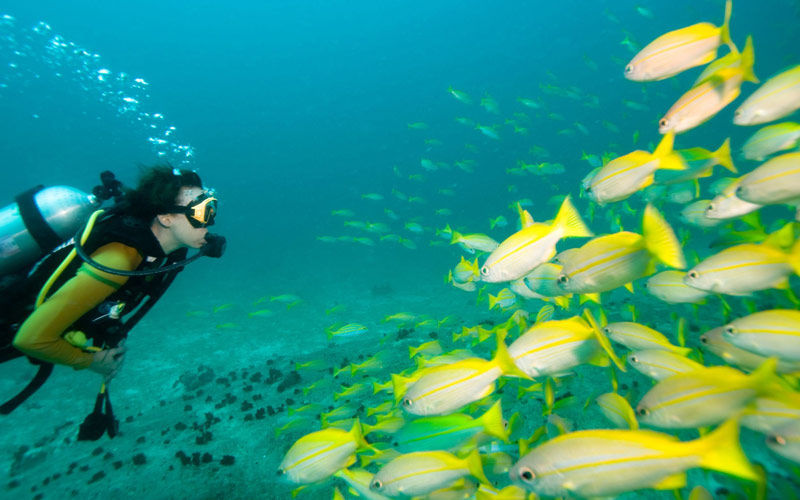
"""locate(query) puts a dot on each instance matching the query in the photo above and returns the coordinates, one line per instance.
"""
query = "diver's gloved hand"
(108, 362)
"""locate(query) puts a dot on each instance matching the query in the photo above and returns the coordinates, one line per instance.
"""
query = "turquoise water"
(292, 110)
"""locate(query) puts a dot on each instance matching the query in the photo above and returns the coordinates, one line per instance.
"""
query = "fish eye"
(606, 330)
(526, 474)
(710, 207)
(634, 359)
(280, 472)
(663, 122)
(704, 339)
(407, 402)
(730, 329)
(628, 69)
(643, 411)
(375, 485)
(693, 274)
(485, 270)
(588, 189)
(563, 278)
(775, 439)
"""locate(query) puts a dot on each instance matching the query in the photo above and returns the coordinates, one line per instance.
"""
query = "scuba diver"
(128, 256)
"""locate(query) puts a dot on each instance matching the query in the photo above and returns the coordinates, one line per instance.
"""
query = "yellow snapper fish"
(533, 245)
(707, 98)
(636, 336)
(774, 182)
(785, 441)
(446, 388)
(716, 343)
(617, 410)
(614, 260)
(679, 50)
(466, 271)
(420, 473)
(695, 214)
(700, 162)
(767, 413)
(348, 330)
(603, 463)
(659, 364)
(467, 286)
(449, 432)
(727, 205)
(554, 347)
(669, 286)
(775, 332)
(431, 348)
(358, 480)
(705, 396)
(732, 59)
(543, 282)
(472, 242)
(770, 140)
(746, 268)
(520, 288)
(319, 455)
(459, 95)
(777, 97)
(504, 299)
(623, 176)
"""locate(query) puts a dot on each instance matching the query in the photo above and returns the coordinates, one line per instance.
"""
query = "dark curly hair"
(157, 190)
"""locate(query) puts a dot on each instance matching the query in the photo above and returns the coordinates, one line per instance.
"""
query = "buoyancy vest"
(108, 323)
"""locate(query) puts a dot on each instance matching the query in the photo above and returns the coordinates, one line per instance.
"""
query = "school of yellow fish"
(437, 430)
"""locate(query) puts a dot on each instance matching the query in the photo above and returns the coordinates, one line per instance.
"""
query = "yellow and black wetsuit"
(41, 335)
(103, 306)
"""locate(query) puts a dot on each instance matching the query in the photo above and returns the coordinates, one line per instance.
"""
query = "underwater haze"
(350, 144)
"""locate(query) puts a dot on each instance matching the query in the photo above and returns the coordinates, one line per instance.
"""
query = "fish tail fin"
(503, 359)
(748, 60)
(660, 239)
(562, 301)
(493, 423)
(569, 219)
(399, 386)
(590, 297)
(723, 156)
(794, 257)
(475, 466)
(357, 432)
(602, 339)
(725, 29)
(721, 451)
(476, 270)
(455, 237)
(492, 301)
(668, 159)
(665, 146)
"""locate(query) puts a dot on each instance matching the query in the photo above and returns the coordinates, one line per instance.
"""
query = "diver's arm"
(40, 336)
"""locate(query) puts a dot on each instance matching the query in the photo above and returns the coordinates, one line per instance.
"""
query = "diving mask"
(200, 211)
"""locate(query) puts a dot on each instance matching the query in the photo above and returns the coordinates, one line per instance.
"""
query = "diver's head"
(178, 205)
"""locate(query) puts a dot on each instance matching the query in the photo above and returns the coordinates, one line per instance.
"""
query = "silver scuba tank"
(38, 221)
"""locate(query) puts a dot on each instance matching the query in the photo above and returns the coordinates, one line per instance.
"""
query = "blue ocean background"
(292, 109)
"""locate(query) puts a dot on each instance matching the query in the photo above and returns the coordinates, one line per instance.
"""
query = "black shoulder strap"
(45, 369)
(39, 229)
